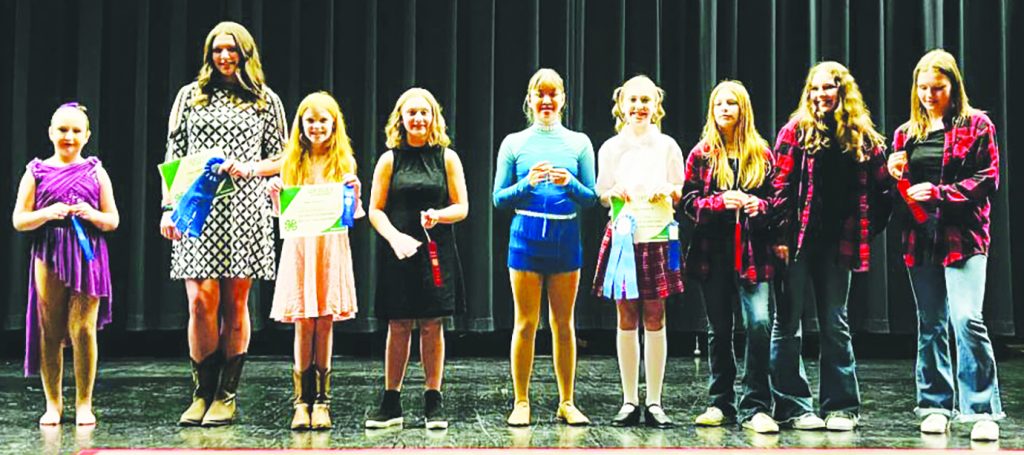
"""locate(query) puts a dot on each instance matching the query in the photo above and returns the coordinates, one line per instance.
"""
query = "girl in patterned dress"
(67, 203)
(315, 283)
(228, 107)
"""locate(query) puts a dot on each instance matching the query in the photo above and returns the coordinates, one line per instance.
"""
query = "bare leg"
(396, 355)
(53, 326)
(234, 308)
(82, 328)
(304, 349)
(323, 342)
(526, 288)
(432, 352)
(562, 300)
(203, 305)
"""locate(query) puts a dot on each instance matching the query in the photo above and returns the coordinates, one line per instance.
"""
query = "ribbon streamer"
(674, 248)
(737, 244)
(193, 208)
(435, 262)
(83, 240)
(920, 216)
(620, 275)
(348, 200)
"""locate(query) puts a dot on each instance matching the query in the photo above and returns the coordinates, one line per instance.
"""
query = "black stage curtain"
(125, 59)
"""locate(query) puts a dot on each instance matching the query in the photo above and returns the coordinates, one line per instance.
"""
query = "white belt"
(546, 216)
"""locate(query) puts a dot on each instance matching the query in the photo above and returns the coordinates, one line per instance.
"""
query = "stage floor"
(138, 402)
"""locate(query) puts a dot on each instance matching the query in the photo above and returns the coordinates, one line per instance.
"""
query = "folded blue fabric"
(193, 208)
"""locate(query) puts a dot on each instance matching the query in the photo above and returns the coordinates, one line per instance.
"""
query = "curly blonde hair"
(749, 143)
(395, 131)
(959, 109)
(249, 74)
(618, 97)
(855, 131)
(340, 159)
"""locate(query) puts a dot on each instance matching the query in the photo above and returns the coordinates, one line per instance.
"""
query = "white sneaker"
(985, 430)
(761, 423)
(935, 424)
(712, 417)
(808, 421)
(837, 421)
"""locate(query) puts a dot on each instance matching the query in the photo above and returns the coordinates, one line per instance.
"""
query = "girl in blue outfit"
(545, 173)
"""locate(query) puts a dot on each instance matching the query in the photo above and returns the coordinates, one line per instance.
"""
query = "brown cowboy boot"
(204, 384)
(303, 397)
(321, 416)
(224, 410)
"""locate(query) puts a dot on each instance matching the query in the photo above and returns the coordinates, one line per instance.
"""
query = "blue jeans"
(719, 290)
(838, 391)
(954, 294)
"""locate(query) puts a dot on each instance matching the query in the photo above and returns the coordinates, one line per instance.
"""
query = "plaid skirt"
(654, 279)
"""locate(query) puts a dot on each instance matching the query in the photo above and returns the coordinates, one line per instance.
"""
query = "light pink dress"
(315, 278)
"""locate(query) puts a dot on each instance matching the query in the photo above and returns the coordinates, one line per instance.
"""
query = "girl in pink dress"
(315, 284)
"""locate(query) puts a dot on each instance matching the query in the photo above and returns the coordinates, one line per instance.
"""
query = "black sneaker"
(433, 410)
(389, 413)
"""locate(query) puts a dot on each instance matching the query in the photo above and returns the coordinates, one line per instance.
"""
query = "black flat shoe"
(654, 416)
(628, 416)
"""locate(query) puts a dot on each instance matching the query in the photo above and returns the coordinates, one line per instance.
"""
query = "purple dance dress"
(56, 244)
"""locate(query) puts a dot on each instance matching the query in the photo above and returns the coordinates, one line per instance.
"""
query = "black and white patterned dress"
(238, 238)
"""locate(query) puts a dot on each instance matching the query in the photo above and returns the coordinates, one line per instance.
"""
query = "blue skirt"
(534, 247)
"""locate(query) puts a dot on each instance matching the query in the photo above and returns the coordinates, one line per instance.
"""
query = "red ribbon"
(915, 209)
(435, 263)
(738, 244)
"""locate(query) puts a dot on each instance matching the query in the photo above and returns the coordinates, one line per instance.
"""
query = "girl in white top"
(641, 163)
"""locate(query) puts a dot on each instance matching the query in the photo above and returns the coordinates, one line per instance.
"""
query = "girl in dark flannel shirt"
(830, 199)
(728, 182)
(947, 159)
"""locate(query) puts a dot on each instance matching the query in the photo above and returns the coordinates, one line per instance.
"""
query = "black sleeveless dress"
(406, 288)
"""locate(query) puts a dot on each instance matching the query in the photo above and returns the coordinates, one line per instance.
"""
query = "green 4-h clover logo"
(291, 225)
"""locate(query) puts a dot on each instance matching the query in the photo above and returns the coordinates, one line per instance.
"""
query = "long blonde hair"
(249, 74)
(395, 131)
(959, 109)
(749, 143)
(295, 170)
(618, 98)
(543, 77)
(855, 131)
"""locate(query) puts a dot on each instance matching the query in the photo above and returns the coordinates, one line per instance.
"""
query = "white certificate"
(178, 175)
(652, 218)
(312, 210)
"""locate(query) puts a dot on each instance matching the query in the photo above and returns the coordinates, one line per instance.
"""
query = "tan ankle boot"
(204, 383)
(320, 418)
(224, 409)
(303, 396)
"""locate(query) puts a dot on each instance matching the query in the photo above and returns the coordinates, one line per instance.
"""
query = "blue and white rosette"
(620, 280)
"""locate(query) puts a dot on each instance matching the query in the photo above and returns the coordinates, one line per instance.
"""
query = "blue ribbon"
(193, 208)
(674, 249)
(620, 274)
(348, 209)
(83, 240)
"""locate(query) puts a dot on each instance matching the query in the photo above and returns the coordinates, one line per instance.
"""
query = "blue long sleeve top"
(563, 149)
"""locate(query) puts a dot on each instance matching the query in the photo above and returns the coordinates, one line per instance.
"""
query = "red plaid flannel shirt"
(794, 196)
(969, 174)
(703, 203)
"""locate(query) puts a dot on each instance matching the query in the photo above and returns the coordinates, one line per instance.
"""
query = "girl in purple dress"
(66, 202)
